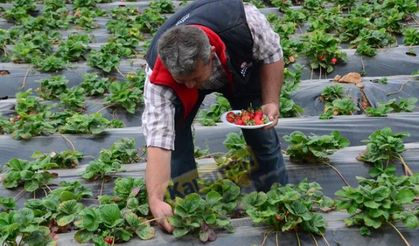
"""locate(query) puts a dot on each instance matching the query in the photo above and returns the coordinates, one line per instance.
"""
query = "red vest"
(189, 96)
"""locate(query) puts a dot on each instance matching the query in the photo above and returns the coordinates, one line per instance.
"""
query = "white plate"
(224, 120)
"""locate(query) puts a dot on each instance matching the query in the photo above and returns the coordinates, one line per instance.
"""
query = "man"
(210, 45)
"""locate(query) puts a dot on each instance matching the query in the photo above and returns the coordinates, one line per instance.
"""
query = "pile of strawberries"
(248, 117)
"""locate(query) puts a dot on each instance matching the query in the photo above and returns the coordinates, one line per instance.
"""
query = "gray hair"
(181, 47)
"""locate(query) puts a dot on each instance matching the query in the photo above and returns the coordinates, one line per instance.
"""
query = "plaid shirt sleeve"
(158, 116)
(266, 43)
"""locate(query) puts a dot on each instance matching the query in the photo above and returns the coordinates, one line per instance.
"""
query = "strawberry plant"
(107, 224)
(85, 124)
(18, 227)
(101, 168)
(403, 105)
(373, 38)
(129, 193)
(194, 214)
(52, 87)
(7, 203)
(27, 104)
(74, 48)
(383, 147)
(229, 191)
(257, 3)
(29, 174)
(73, 99)
(124, 95)
(313, 148)
(380, 201)
(150, 20)
(282, 5)
(209, 117)
(325, 20)
(85, 18)
(313, 5)
(380, 111)
(50, 63)
(6, 127)
(28, 126)
(94, 85)
(350, 27)
(123, 150)
(71, 191)
(289, 208)
(108, 57)
(411, 36)
(323, 51)
(332, 92)
(162, 6)
(290, 49)
(235, 165)
(292, 81)
(344, 106)
(63, 159)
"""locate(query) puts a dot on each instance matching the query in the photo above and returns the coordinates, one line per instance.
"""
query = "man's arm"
(272, 78)
(157, 179)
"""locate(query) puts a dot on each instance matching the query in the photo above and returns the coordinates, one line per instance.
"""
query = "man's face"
(200, 76)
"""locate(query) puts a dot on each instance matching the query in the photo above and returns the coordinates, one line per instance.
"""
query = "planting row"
(122, 214)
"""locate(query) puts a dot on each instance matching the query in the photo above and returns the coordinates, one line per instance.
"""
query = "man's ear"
(212, 51)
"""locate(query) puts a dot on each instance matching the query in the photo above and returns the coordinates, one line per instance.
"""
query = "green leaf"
(405, 196)
(145, 233)
(65, 220)
(83, 236)
(110, 214)
(180, 232)
(203, 236)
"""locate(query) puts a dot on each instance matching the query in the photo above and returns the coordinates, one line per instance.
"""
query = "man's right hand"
(161, 211)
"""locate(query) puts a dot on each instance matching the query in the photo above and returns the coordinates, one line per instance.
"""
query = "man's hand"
(161, 211)
(272, 111)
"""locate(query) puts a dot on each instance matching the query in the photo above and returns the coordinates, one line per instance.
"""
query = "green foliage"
(74, 48)
(94, 85)
(403, 105)
(50, 63)
(7, 203)
(162, 6)
(63, 159)
(85, 124)
(109, 222)
(229, 191)
(235, 165)
(73, 99)
(52, 87)
(344, 106)
(323, 50)
(371, 39)
(383, 146)
(194, 214)
(29, 174)
(380, 111)
(288, 208)
(20, 224)
(288, 108)
(110, 160)
(124, 95)
(332, 92)
(209, 117)
(376, 202)
(411, 36)
(108, 57)
(313, 148)
(129, 193)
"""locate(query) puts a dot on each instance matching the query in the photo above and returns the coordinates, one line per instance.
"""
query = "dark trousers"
(267, 167)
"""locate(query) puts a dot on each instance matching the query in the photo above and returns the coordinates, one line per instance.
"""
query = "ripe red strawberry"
(230, 117)
(258, 122)
(239, 121)
(258, 115)
(334, 60)
(321, 58)
(109, 240)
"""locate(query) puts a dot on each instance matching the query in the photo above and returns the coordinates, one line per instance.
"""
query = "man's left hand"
(272, 111)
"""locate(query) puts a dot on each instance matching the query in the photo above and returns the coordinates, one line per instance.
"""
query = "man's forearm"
(272, 78)
(157, 172)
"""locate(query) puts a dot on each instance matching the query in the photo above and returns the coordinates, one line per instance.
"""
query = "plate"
(224, 120)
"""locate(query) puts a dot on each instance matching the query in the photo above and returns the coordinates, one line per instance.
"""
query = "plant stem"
(26, 76)
(298, 239)
(400, 234)
(338, 172)
(18, 194)
(119, 71)
(107, 106)
(101, 186)
(407, 170)
(266, 234)
(325, 240)
(68, 141)
(276, 239)
(314, 239)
